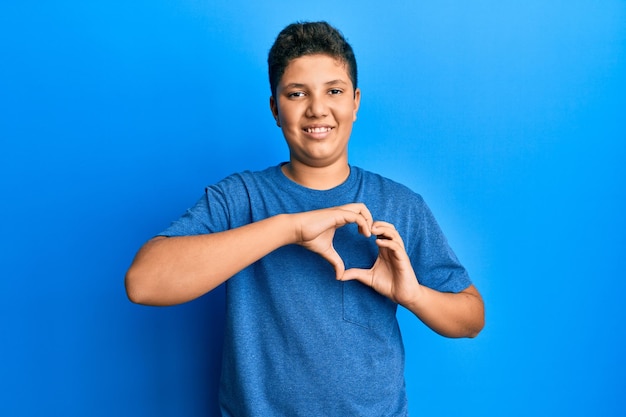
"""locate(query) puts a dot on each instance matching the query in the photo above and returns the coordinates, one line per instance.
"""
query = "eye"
(295, 94)
(334, 91)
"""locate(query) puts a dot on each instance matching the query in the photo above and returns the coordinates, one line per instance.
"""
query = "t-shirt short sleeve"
(435, 263)
(223, 206)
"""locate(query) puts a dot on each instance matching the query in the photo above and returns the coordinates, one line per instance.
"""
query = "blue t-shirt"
(298, 342)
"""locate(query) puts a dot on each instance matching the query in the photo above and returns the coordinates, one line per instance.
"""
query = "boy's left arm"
(449, 314)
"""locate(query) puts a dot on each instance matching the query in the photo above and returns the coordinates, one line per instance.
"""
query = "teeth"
(318, 129)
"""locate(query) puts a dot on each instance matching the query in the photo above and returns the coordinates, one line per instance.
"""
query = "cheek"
(287, 114)
(348, 115)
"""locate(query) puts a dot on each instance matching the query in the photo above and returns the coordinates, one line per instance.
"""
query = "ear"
(274, 109)
(357, 102)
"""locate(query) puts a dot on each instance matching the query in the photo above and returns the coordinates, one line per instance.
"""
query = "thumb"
(335, 260)
(362, 275)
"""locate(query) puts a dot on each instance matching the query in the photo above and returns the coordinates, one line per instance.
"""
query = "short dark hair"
(308, 38)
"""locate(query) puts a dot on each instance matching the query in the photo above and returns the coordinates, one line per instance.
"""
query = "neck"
(317, 178)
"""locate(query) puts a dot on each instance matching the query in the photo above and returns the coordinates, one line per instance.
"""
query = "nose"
(317, 106)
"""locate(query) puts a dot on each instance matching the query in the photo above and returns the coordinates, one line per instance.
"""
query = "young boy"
(316, 255)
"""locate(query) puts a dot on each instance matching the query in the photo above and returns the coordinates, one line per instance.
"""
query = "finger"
(388, 237)
(367, 215)
(384, 230)
(365, 227)
(391, 244)
(394, 249)
(335, 260)
(362, 275)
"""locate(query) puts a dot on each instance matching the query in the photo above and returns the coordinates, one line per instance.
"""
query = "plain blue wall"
(507, 116)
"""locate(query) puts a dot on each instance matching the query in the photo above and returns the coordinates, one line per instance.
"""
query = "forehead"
(313, 68)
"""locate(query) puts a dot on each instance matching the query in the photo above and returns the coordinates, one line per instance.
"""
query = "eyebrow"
(328, 83)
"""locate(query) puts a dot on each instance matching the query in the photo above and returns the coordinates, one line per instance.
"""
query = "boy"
(316, 255)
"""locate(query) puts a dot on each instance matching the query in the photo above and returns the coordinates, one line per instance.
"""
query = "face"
(315, 106)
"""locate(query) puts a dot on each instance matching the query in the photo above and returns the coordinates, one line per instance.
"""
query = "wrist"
(413, 297)
(287, 229)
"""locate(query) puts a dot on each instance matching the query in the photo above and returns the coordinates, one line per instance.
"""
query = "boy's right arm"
(174, 270)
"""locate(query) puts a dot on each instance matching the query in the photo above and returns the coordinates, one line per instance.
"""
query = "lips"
(317, 129)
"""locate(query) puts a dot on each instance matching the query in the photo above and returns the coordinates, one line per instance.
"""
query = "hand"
(315, 230)
(392, 274)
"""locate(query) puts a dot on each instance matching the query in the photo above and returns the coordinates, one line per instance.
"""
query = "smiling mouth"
(318, 129)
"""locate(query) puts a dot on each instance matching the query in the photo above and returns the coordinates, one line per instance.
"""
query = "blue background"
(507, 116)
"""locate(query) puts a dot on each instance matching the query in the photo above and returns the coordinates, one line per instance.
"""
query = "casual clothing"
(298, 342)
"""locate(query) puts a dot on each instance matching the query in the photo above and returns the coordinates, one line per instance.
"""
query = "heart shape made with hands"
(391, 275)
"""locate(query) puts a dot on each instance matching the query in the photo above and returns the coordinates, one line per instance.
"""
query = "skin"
(315, 105)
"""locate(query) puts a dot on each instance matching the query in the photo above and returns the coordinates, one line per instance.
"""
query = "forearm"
(449, 314)
(174, 270)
